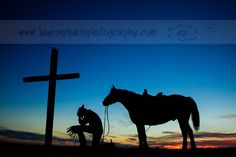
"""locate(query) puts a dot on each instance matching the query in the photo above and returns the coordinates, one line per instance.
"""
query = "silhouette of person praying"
(90, 122)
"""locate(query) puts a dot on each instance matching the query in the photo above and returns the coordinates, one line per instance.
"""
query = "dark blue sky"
(118, 9)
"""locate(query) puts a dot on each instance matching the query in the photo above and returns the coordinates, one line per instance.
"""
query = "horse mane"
(131, 93)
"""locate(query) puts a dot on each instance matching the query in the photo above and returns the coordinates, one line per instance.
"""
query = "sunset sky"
(206, 72)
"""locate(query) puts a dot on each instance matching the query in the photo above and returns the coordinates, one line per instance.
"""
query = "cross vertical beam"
(51, 97)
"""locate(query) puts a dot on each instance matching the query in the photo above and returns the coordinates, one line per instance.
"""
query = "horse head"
(111, 97)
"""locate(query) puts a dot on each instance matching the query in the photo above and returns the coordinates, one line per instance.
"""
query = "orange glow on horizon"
(172, 146)
(179, 146)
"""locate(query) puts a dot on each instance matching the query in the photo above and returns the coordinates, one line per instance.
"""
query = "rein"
(148, 128)
(106, 118)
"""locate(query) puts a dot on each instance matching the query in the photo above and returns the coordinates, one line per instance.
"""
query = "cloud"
(230, 116)
(132, 139)
(170, 132)
(111, 136)
(21, 135)
(214, 135)
(202, 139)
(2, 128)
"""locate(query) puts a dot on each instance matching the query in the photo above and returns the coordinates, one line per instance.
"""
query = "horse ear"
(82, 106)
(113, 87)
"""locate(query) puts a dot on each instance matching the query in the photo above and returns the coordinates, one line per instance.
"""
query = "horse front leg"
(142, 136)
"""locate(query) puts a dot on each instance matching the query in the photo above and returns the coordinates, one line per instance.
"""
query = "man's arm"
(82, 121)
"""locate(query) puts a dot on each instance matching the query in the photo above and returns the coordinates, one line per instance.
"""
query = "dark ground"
(9, 149)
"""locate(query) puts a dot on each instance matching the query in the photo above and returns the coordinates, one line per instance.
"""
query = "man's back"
(94, 120)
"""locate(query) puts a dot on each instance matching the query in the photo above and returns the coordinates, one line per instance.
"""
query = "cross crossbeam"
(46, 77)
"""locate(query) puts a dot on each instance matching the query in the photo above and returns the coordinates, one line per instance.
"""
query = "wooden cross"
(52, 78)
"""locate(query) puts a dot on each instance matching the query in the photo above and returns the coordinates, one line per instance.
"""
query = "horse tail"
(195, 115)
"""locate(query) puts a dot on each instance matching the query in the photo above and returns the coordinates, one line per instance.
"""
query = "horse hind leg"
(183, 128)
(190, 133)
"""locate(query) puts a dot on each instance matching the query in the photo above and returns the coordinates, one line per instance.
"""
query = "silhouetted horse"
(152, 110)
